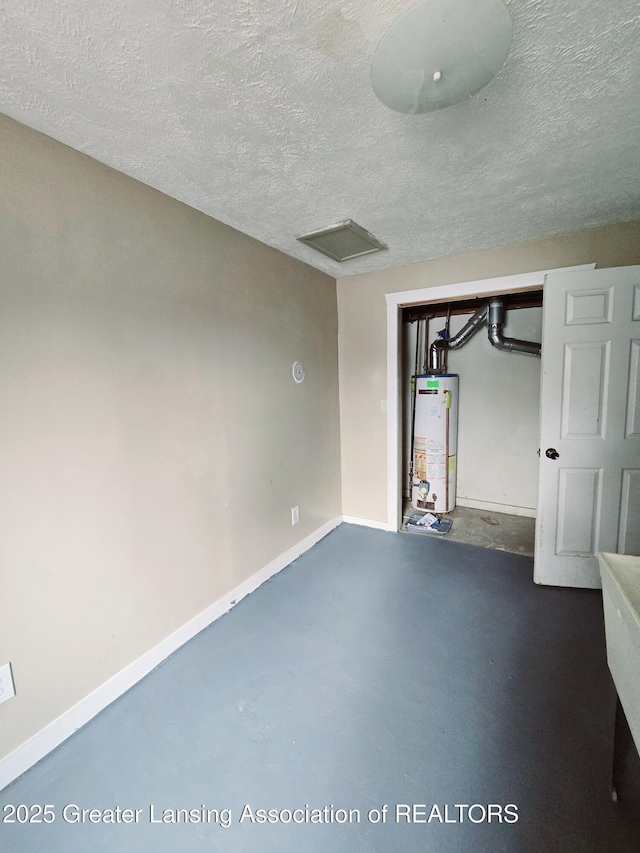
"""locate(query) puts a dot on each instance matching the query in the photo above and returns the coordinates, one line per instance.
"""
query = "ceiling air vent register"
(343, 241)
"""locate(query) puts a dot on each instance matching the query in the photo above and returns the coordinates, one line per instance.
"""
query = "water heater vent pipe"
(467, 331)
(493, 314)
(495, 322)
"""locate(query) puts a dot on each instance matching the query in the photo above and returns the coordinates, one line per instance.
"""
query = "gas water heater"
(435, 442)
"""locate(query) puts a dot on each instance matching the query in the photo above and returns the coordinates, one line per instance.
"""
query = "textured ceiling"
(260, 113)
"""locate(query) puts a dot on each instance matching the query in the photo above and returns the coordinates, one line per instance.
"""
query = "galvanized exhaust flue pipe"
(468, 330)
(493, 313)
(495, 323)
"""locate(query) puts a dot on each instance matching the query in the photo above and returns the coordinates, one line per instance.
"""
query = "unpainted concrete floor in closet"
(486, 529)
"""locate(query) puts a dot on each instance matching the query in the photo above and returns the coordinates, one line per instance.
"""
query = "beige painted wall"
(152, 439)
(362, 339)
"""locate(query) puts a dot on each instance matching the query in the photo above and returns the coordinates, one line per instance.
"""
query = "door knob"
(551, 453)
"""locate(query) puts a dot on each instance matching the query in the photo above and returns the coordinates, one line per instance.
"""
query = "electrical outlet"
(7, 689)
(295, 514)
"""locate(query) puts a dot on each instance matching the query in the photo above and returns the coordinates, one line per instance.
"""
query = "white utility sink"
(621, 599)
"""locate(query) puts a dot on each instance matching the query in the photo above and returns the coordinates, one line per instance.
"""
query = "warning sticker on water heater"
(419, 458)
(435, 445)
(436, 467)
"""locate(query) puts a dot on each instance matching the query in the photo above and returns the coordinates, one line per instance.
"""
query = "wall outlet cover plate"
(7, 688)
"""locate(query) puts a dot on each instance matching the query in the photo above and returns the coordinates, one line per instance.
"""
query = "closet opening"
(470, 389)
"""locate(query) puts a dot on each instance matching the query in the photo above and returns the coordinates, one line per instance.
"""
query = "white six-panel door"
(589, 497)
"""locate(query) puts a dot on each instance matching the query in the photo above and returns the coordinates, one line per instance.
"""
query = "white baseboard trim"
(527, 512)
(364, 522)
(56, 732)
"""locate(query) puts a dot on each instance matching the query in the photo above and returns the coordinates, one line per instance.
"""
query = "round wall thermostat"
(298, 371)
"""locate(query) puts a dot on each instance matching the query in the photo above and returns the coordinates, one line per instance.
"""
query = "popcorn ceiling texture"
(261, 114)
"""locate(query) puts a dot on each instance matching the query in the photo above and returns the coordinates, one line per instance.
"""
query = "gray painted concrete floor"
(487, 529)
(378, 669)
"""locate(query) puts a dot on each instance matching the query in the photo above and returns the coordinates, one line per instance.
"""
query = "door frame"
(442, 293)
